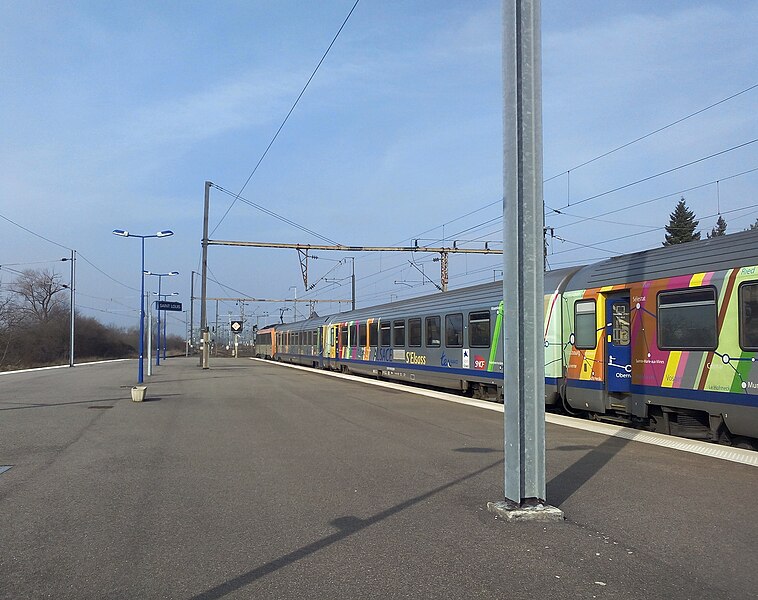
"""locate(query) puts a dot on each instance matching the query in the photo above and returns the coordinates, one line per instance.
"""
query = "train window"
(479, 329)
(343, 337)
(749, 316)
(361, 335)
(384, 334)
(433, 332)
(354, 335)
(585, 325)
(687, 319)
(414, 332)
(373, 334)
(398, 330)
(620, 324)
(454, 331)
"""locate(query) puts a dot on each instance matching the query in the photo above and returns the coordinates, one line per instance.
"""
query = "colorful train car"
(667, 338)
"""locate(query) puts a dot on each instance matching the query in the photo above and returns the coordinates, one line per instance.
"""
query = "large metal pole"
(523, 284)
(149, 340)
(192, 309)
(158, 328)
(73, 308)
(141, 369)
(165, 319)
(203, 290)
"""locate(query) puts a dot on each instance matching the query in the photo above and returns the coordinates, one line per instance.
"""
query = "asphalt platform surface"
(250, 480)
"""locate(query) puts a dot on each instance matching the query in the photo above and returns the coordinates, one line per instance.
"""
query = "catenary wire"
(667, 171)
(278, 131)
(275, 215)
(647, 135)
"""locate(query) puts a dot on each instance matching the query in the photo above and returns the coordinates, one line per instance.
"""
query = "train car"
(664, 339)
(667, 338)
(449, 340)
(265, 342)
(301, 343)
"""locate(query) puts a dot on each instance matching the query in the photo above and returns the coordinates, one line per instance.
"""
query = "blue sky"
(114, 115)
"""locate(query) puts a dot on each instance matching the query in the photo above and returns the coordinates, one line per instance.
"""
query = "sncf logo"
(480, 363)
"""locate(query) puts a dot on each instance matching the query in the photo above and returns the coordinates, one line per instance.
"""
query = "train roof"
(440, 302)
(702, 256)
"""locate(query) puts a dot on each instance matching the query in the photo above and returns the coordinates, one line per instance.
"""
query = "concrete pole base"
(513, 512)
(206, 351)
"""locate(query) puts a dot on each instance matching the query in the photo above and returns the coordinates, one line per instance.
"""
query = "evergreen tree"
(681, 227)
(719, 229)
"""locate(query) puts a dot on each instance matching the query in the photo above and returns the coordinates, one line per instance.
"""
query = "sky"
(115, 114)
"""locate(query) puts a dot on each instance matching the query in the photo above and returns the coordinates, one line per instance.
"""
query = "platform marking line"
(97, 362)
(4, 468)
(737, 455)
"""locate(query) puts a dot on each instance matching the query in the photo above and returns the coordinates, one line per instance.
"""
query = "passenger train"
(665, 339)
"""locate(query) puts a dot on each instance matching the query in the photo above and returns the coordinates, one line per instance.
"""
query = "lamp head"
(121, 232)
(164, 233)
(173, 273)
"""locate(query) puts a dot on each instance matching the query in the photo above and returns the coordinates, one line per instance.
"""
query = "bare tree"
(36, 290)
(8, 318)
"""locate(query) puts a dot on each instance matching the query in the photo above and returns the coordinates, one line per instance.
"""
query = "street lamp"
(160, 276)
(72, 290)
(160, 234)
(163, 297)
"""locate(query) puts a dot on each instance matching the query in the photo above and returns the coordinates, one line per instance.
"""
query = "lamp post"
(163, 297)
(72, 290)
(160, 234)
(160, 276)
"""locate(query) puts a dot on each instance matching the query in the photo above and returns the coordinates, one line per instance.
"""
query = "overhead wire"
(638, 204)
(647, 135)
(34, 233)
(666, 172)
(275, 215)
(616, 149)
(278, 131)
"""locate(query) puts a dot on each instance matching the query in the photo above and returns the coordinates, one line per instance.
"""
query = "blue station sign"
(175, 306)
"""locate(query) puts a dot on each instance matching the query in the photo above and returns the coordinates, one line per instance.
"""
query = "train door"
(337, 341)
(618, 370)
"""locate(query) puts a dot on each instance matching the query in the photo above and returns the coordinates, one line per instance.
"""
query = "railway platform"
(254, 480)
